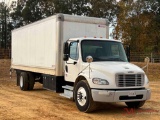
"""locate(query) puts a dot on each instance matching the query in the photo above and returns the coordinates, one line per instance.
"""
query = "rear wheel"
(23, 81)
(18, 77)
(31, 81)
(136, 104)
(83, 98)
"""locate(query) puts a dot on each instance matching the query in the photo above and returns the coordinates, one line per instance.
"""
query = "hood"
(116, 67)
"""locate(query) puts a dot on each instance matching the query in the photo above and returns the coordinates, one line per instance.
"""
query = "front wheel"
(83, 98)
(136, 104)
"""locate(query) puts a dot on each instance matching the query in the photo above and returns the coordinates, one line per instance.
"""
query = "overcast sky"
(7, 1)
(4, 0)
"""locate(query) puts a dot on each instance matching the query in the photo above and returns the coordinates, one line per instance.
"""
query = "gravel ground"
(47, 105)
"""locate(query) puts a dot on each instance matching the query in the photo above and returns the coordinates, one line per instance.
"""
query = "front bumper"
(120, 95)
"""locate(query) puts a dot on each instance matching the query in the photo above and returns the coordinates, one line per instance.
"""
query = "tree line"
(135, 22)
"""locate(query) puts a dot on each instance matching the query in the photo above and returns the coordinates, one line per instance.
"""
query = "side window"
(73, 53)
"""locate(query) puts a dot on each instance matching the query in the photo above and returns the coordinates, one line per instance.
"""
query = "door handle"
(66, 68)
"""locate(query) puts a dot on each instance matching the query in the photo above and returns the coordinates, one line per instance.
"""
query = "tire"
(18, 78)
(31, 81)
(136, 104)
(23, 81)
(83, 98)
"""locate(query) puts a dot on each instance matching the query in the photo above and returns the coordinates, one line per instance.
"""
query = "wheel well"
(79, 79)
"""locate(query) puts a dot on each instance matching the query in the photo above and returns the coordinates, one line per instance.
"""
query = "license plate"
(132, 93)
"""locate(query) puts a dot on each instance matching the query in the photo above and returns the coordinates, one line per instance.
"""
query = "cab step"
(68, 87)
(68, 92)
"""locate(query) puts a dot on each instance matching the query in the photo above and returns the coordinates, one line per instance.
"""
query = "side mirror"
(65, 57)
(147, 60)
(66, 51)
(128, 52)
(89, 59)
(66, 48)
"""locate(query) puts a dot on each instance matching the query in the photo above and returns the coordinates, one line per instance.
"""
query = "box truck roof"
(70, 18)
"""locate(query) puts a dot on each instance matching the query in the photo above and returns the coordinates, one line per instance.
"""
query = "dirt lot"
(46, 105)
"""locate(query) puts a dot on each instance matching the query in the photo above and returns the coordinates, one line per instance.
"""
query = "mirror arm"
(89, 59)
(83, 70)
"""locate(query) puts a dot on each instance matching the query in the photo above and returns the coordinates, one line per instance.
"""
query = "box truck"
(73, 56)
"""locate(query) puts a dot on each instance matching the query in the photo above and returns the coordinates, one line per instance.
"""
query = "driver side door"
(72, 65)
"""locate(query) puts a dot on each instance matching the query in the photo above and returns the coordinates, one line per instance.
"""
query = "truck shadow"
(39, 89)
(110, 108)
(122, 109)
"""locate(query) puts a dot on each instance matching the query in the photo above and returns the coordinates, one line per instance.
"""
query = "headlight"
(100, 81)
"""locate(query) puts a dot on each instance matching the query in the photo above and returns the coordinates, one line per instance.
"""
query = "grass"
(153, 70)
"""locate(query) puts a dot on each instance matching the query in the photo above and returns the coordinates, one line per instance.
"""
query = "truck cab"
(100, 72)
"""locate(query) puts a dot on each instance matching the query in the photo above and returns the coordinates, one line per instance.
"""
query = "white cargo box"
(37, 47)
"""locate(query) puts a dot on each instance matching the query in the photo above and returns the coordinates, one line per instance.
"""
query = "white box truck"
(71, 55)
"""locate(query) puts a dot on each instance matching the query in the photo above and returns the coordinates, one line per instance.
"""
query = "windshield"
(103, 50)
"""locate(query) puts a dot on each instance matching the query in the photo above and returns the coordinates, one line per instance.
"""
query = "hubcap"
(21, 81)
(81, 96)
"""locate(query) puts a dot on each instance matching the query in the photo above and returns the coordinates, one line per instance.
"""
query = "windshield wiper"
(115, 59)
(107, 59)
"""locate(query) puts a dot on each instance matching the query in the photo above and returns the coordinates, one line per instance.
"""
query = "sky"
(7, 1)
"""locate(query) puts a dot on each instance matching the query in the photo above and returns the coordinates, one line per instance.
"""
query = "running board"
(68, 92)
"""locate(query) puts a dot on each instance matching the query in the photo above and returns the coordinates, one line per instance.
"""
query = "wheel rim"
(81, 96)
(21, 81)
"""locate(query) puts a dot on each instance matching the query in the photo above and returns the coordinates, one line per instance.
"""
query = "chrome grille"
(129, 80)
